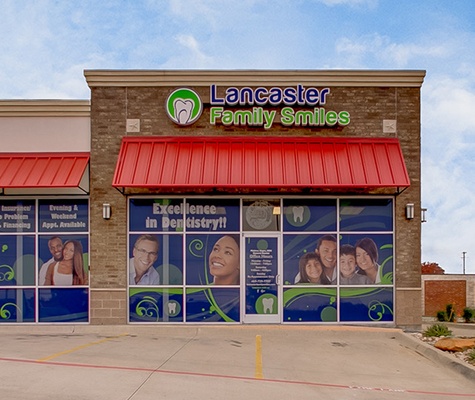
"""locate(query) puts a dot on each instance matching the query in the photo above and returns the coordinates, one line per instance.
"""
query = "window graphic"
(44, 260)
(184, 260)
(336, 263)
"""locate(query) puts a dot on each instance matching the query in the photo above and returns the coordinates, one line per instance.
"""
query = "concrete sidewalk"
(223, 362)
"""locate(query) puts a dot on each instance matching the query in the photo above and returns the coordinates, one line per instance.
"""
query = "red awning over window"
(42, 170)
(195, 163)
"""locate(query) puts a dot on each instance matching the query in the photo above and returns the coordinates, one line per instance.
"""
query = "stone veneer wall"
(111, 106)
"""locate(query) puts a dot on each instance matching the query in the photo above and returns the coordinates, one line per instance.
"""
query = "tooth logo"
(184, 106)
(298, 213)
(268, 304)
(171, 308)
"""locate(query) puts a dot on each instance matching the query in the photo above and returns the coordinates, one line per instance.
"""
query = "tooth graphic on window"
(183, 109)
(268, 304)
(298, 213)
(171, 308)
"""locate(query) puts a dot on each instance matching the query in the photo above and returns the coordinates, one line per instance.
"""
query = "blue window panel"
(256, 299)
(45, 254)
(198, 250)
(295, 246)
(169, 263)
(212, 305)
(366, 305)
(17, 216)
(258, 215)
(310, 305)
(365, 215)
(64, 305)
(64, 215)
(379, 248)
(17, 305)
(212, 215)
(307, 215)
(17, 260)
(156, 305)
(156, 215)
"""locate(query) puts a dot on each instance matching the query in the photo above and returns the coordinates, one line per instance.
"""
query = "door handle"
(277, 279)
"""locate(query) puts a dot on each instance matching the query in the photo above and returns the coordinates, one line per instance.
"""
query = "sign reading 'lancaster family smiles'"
(256, 107)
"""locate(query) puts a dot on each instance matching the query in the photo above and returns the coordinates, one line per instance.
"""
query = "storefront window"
(366, 305)
(304, 304)
(310, 215)
(18, 260)
(154, 259)
(366, 215)
(212, 304)
(332, 259)
(368, 256)
(200, 252)
(156, 305)
(261, 215)
(45, 255)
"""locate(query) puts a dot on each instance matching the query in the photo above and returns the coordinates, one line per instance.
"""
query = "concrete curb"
(438, 356)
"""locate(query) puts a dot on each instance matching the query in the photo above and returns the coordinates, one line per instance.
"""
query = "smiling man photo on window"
(145, 253)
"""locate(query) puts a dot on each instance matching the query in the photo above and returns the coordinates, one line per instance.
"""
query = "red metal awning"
(259, 163)
(42, 170)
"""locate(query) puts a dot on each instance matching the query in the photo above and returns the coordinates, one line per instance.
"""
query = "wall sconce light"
(423, 216)
(106, 211)
(410, 211)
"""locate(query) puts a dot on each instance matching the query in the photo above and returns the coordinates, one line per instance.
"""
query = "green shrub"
(468, 314)
(441, 316)
(437, 330)
(449, 315)
(471, 356)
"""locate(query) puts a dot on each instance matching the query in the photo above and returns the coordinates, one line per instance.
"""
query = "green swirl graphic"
(386, 279)
(5, 313)
(147, 307)
(8, 275)
(196, 245)
(292, 295)
(360, 292)
(379, 308)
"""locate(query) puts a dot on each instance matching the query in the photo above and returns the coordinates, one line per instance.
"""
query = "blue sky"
(45, 46)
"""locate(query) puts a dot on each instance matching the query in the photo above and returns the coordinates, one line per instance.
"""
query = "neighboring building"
(44, 186)
(440, 290)
(195, 195)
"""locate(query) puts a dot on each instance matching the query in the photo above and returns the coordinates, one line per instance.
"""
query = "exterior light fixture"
(423, 216)
(106, 211)
(410, 211)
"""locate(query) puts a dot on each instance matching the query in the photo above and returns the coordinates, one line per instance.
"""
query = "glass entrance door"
(262, 275)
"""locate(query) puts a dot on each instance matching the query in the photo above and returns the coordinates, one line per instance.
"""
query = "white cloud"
(448, 148)
(379, 49)
(193, 56)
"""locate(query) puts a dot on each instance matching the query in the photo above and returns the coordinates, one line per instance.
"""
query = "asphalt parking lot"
(224, 362)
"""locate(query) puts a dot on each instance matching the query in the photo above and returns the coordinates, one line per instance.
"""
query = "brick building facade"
(356, 123)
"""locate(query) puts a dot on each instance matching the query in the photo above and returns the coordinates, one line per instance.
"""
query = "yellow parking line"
(80, 347)
(258, 373)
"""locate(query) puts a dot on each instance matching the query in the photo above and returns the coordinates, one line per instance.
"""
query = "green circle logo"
(184, 106)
